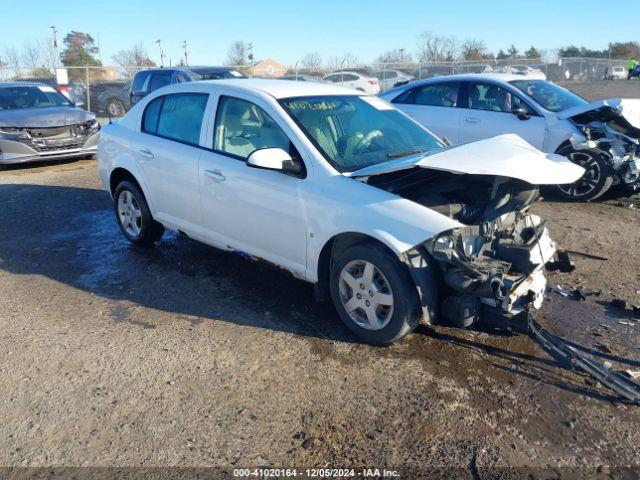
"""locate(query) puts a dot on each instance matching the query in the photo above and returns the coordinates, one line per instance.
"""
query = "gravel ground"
(185, 356)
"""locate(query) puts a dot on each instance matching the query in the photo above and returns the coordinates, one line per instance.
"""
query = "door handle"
(146, 153)
(216, 175)
(472, 120)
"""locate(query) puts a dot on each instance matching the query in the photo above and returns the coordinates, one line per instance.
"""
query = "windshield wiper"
(403, 154)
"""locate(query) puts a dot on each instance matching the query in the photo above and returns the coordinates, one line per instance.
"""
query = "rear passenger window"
(160, 80)
(437, 95)
(181, 117)
(243, 127)
(151, 113)
(138, 81)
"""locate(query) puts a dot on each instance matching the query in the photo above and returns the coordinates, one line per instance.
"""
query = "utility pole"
(186, 53)
(159, 42)
(250, 48)
(55, 45)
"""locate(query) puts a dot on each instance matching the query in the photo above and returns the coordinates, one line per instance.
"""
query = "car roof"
(496, 77)
(277, 88)
(23, 84)
(196, 69)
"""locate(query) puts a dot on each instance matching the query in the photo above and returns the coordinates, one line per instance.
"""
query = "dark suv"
(146, 81)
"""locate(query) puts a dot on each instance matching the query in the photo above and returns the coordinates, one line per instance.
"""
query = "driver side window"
(242, 127)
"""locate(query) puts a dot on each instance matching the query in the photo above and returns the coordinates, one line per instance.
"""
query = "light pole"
(55, 45)
(186, 53)
(159, 42)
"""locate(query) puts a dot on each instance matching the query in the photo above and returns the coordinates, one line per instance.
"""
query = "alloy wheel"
(366, 294)
(129, 213)
(589, 181)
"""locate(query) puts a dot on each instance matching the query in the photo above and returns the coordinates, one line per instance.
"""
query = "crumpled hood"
(628, 108)
(44, 117)
(505, 155)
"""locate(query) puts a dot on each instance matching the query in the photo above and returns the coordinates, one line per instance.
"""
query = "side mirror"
(274, 159)
(521, 113)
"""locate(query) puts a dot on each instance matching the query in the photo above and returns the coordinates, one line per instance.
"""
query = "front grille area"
(49, 139)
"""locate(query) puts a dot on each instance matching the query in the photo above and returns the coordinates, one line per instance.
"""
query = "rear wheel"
(374, 294)
(134, 216)
(596, 180)
(115, 108)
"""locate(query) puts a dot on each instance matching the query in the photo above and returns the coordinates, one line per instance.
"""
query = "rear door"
(435, 105)
(167, 148)
(488, 111)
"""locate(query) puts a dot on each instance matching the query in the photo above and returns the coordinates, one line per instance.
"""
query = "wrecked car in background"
(342, 190)
(602, 136)
(38, 123)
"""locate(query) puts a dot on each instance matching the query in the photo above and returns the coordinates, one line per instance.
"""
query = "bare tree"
(237, 54)
(129, 61)
(312, 61)
(396, 56)
(334, 63)
(474, 49)
(436, 48)
(350, 60)
(11, 58)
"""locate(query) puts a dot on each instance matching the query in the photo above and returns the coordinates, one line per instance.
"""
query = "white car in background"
(391, 78)
(342, 190)
(602, 136)
(364, 83)
(617, 72)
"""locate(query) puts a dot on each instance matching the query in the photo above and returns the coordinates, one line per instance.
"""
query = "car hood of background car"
(44, 117)
(628, 108)
(505, 156)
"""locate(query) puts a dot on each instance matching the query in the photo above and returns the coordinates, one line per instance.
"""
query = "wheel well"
(337, 243)
(566, 143)
(118, 175)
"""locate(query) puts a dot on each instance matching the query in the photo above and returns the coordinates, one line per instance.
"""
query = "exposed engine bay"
(497, 259)
(610, 133)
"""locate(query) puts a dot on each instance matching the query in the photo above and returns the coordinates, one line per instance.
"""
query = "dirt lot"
(191, 357)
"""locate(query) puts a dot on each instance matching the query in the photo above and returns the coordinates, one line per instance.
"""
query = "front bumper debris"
(14, 151)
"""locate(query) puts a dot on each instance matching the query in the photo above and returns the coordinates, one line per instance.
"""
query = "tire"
(597, 179)
(115, 108)
(133, 215)
(391, 282)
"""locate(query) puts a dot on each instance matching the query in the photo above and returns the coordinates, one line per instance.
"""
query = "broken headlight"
(9, 133)
(459, 243)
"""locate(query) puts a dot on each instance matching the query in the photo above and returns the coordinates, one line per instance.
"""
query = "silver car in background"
(38, 123)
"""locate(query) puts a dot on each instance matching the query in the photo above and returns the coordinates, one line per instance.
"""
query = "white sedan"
(356, 80)
(602, 136)
(342, 190)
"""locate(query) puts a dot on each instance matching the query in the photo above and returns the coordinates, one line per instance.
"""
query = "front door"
(257, 211)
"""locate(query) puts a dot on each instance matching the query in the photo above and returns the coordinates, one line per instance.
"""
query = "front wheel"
(133, 215)
(374, 294)
(597, 178)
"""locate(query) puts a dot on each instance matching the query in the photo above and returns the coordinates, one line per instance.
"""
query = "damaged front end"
(607, 130)
(495, 262)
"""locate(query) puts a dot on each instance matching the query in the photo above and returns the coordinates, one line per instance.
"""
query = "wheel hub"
(129, 213)
(366, 294)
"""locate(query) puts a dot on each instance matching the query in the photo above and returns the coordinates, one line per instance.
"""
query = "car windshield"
(41, 96)
(548, 95)
(353, 132)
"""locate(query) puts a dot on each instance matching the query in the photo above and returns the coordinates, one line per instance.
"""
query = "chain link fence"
(105, 90)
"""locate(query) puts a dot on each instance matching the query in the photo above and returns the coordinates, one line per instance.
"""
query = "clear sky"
(286, 30)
